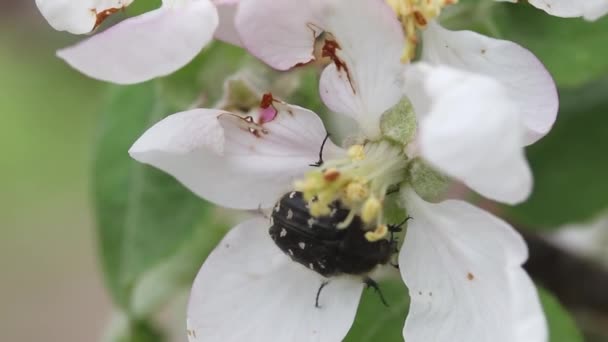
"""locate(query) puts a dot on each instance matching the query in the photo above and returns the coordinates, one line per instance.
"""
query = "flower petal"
(215, 154)
(248, 290)
(472, 132)
(463, 270)
(365, 77)
(526, 80)
(153, 44)
(226, 30)
(80, 16)
(589, 9)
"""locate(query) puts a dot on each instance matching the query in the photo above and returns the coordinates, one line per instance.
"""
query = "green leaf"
(201, 81)
(176, 273)
(143, 215)
(376, 322)
(570, 164)
(124, 329)
(149, 224)
(561, 326)
(574, 50)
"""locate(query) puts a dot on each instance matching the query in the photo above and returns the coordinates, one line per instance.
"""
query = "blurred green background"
(51, 287)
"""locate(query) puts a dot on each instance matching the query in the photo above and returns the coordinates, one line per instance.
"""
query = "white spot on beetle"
(283, 233)
(311, 266)
(311, 221)
(302, 245)
(292, 194)
(289, 214)
(277, 207)
(290, 252)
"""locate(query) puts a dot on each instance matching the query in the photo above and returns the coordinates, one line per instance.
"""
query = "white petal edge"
(78, 17)
(526, 80)
(226, 30)
(365, 81)
(373, 81)
(463, 270)
(213, 154)
(248, 290)
(588, 9)
(280, 33)
(472, 131)
(147, 46)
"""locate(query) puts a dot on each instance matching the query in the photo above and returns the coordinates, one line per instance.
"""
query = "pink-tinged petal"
(524, 77)
(472, 131)
(463, 270)
(153, 44)
(365, 77)
(231, 161)
(589, 9)
(81, 16)
(280, 33)
(226, 30)
(248, 290)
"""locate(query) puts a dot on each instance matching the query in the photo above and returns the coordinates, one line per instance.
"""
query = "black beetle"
(318, 244)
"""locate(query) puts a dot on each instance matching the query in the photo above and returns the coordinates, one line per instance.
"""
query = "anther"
(356, 192)
(371, 209)
(356, 152)
(331, 175)
(379, 233)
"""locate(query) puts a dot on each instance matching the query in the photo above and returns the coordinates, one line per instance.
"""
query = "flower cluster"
(464, 110)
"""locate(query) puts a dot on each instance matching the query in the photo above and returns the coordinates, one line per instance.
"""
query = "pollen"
(356, 192)
(414, 15)
(371, 209)
(331, 175)
(377, 234)
(308, 184)
(318, 208)
(357, 182)
(356, 152)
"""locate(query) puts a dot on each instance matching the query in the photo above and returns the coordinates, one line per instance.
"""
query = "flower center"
(359, 182)
(415, 15)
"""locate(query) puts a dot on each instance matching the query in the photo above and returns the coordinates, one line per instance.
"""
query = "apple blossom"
(462, 265)
(143, 47)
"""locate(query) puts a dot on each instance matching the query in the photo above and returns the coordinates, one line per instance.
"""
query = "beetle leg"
(323, 284)
(369, 282)
(320, 161)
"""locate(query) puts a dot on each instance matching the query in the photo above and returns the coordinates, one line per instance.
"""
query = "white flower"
(528, 98)
(140, 48)
(589, 9)
(462, 265)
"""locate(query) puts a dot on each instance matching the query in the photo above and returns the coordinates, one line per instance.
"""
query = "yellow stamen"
(318, 208)
(356, 192)
(371, 209)
(356, 152)
(414, 15)
(331, 175)
(356, 183)
(377, 234)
